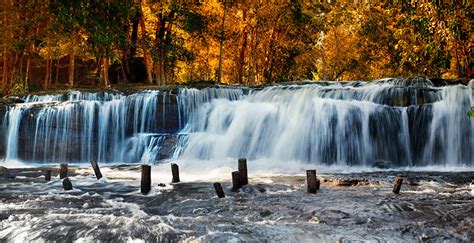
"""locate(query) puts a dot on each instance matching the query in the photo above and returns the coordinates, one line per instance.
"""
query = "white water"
(349, 128)
(403, 123)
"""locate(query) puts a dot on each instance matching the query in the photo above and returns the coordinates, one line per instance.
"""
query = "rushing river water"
(372, 130)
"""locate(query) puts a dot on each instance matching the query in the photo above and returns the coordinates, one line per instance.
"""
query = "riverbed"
(358, 206)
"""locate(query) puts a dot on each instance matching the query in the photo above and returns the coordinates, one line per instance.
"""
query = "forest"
(52, 44)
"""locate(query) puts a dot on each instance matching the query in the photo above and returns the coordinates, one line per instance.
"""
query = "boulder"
(382, 164)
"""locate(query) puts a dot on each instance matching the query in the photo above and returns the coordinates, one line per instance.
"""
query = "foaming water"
(390, 123)
(336, 125)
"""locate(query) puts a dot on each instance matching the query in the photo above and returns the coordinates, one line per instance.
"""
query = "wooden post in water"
(175, 172)
(243, 171)
(236, 181)
(311, 181)
(318, 184)
(67, 185)
(96, 168)
(397, 185)
(63, 171)
(47, 175)
(219, 190)
(146, 179)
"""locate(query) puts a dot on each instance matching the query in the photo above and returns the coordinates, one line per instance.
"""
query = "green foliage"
(194, 23)
(471, 112)
(102, 22)
(19, 88)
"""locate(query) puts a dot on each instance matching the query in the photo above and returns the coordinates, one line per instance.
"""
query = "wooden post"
(63, 171)
(318, 184)
(175, 172)
(96, 168)
(397, 185)
(47, 176)
(67, 185)
(219, 190)
(311, 181)
(146, 179)
(243, 171)
(236, 181)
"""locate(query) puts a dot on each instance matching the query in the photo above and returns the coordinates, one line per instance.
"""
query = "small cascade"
(14, 119)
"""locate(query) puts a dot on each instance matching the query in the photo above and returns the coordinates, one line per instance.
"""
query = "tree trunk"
(253, 60)
(270, 57)
(99, 68)
(57, 74)
(124, 73)
(105, 66)
(47, 67)
(20, 77)
(146, 52)
(5, 72)
(135, 21)
(71, 65)
(219, 79)
(46, 76)
(168, 70)
(241, 63)
(28, 70)
(13, 72)
(160, 45)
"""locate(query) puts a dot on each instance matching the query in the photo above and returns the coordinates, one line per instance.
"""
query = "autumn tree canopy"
(53, 43)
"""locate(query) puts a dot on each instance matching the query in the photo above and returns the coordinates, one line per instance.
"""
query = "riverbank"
(432, 206)
(137, 87)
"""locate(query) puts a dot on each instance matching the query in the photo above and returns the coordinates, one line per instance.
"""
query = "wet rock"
(252, 189)
(413, 182)
(10, 100)
(9, 176)
(265, 213)
(352, 182)
(439, 82)
(161, 185)
(382, 164)
(5, 173)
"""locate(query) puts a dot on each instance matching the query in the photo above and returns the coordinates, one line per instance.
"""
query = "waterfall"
(401, 122)
(14, 119)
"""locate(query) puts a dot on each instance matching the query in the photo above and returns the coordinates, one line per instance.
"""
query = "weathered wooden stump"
(236, 181)
(311, 181)
(67, 185)
(175, 172)
(397, 185)
(63, 171)
(96, 168)
(219, 190)
(318, 184)
(47, 175)
(242, 164)
(146, 179)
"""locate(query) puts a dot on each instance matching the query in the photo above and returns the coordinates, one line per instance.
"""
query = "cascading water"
(401, 122)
